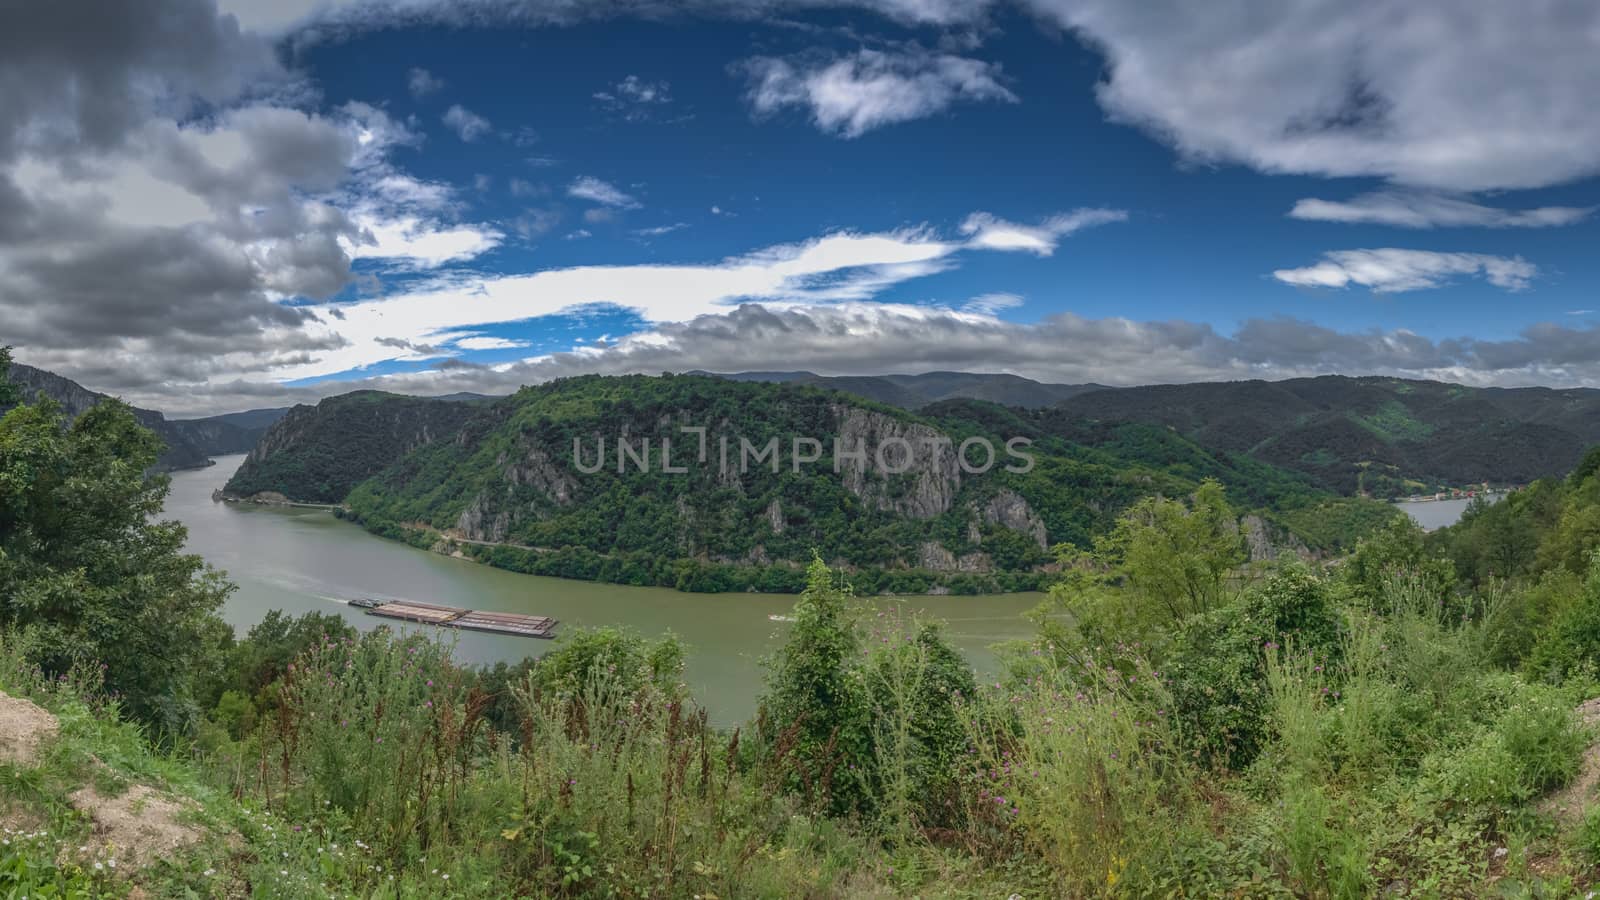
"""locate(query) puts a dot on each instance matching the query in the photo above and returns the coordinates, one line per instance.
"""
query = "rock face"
(926, 488)
(1266, 543)
(1009, 509)
(529, 480)
(936, 558)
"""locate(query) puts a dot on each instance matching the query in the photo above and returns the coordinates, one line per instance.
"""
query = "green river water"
(299, 560)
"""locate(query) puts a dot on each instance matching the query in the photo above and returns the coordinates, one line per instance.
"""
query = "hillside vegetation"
(1386, 436)
(506, 487)
(1199, 726)
(318, 453)
(187, 444)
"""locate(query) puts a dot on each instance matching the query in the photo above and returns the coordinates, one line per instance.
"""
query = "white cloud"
(423, 243)
(874, 338)
(989, 304)
(991, 233)
(280, 17)
(659, 230)
(478, 343)
(854, 94)
(423, 83)
(1392, 270)
(1427, 209)
(1452, 94)
(603, 192)
(468, 125)
(637, 100)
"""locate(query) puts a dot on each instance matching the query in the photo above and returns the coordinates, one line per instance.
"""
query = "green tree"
(1397, 547)
(816, 705)
(89, 569)
(1175, 557)
(8, 391)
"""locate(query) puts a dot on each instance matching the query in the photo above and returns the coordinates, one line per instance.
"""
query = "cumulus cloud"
(851, 95)
(993, 233)
(604, 193)
(167, 208)
(1452, 94)
(1428, 209)
(468, 125)
(875, 338)
(1393, 270)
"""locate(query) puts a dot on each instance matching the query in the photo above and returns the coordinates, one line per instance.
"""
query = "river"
(300, 560)
(1432, 514)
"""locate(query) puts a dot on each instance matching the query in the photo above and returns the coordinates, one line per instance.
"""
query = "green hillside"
(506, 488)
(1386, 436)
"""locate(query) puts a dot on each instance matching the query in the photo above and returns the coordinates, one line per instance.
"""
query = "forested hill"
(1387, 436)
(189, 443)
(916, 391)
(318, 453)
(499, 479)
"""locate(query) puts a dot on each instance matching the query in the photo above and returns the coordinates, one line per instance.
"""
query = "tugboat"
(367, 603)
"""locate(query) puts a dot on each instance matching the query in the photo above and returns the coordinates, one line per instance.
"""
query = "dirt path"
(25, 728)
(138, 825)
(1571, 803)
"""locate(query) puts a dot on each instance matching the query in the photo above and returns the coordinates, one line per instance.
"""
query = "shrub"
(1218, 666)
(914, 681)
(382, 729)
(1084, 767)
(815, 712)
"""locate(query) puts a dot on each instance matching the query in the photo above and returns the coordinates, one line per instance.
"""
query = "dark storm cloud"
(78, 74)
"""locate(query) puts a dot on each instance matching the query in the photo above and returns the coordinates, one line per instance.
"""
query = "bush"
(1218, 664)
(816, 710)
(1534, 744)
(1084, 767)
(914, 682)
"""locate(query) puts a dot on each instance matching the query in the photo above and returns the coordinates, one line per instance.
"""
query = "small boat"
(780, 618)
(367, 603)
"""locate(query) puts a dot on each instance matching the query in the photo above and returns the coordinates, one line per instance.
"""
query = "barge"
(455, 617)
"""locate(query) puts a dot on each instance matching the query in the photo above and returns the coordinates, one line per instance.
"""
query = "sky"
(208, 207)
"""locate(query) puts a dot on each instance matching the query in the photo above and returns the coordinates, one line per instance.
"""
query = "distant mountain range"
(1381, 436)
(1386, 436)
(916, 391)
(190, 442)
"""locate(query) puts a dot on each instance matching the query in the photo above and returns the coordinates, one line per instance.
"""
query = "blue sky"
(432, 196)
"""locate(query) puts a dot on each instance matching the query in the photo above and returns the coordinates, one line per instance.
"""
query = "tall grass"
(1083, 767)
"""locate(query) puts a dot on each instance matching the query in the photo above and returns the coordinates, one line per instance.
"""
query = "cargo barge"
(455, 617)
